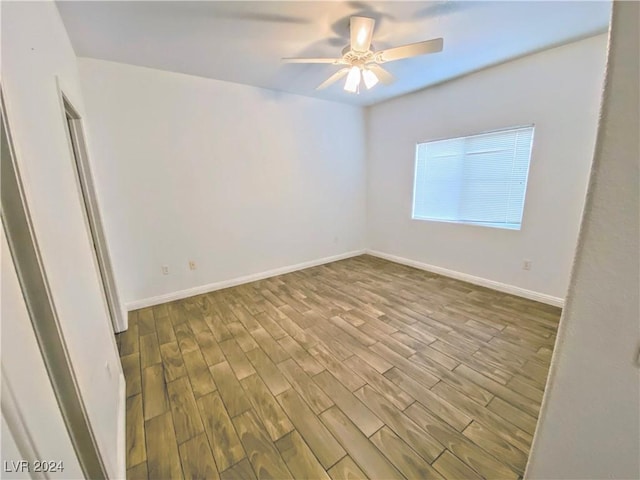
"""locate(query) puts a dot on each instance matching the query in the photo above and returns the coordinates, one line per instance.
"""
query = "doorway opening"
(87, 192)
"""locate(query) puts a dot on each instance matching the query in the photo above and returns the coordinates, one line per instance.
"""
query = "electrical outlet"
(165, 269)
(526, 264)
(192, 265)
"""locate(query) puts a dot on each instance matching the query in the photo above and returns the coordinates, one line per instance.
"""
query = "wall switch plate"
(526, 264)
(165, 269)
(192, 265)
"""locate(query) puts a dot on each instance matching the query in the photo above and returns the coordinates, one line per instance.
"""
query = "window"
(479, 179)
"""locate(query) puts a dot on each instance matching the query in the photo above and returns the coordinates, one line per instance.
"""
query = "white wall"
(31, 417)
(36, 49)
(239, 179)
(559, 91)
(590, 421)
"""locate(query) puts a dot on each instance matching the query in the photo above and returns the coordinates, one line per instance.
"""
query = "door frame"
(86, 190)
(26, 257)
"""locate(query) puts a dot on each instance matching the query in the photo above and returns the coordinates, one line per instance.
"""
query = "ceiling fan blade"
(335, 61)
(411, 50)
(333, 78)
(262, 17)
(383, 75)
(361, 33)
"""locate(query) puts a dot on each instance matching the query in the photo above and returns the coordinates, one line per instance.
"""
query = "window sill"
(503, 226)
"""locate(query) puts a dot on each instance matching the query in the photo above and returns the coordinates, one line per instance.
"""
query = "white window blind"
(479, 179)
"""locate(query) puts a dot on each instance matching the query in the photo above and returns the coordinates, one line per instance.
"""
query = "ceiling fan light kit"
(370, 78)
(362, 64)
(356, 76)
(353, 80)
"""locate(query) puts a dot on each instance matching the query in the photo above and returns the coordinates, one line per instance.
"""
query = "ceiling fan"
(362, 63)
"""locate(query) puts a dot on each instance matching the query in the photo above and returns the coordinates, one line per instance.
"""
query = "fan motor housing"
(353, 57)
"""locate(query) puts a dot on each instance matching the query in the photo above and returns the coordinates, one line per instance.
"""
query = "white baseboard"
(483, 282)
(211, 287)
(122, 430)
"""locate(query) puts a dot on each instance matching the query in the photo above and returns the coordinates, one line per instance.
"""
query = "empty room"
(320, 240)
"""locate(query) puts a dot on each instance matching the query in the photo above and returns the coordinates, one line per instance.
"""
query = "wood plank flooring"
(360, 368)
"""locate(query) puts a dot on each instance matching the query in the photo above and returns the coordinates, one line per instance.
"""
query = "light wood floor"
(359, 368)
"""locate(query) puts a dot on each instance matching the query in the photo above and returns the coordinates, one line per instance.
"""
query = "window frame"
(501, 226)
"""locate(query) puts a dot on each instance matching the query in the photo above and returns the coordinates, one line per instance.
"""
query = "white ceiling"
(243, 42)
